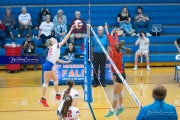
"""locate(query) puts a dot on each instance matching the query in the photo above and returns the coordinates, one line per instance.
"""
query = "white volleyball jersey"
(72, 113)
(73, 93)
(53, 53)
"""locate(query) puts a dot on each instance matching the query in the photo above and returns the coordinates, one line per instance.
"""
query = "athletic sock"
(43, 98)
(58, 94)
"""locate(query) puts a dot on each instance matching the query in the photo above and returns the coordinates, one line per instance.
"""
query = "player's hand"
(112, 32)
(73, 27)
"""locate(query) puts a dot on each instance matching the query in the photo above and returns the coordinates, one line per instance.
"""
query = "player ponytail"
(120, 45)
(70, 84)
(66, 105)
(48, 43)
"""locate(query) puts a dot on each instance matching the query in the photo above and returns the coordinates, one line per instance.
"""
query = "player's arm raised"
(67, 36)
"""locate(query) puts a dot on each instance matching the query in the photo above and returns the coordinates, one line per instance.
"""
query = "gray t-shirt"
(138, 17)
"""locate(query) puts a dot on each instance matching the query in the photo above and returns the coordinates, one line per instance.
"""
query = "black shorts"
(118, 79)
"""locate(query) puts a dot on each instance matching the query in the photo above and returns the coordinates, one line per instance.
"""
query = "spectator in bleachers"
(70, 49)
(42, 16)
(45, 31)
(143, 43)
(124, 21)
(60, 30)
(29, 46)
(60, 13)
(176, 44)
(159, 110)
(9, 21)
(142, 21)
(78, 33)
(24, 22)
(2, 33)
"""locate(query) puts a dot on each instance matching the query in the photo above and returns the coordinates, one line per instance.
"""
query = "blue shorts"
(47, 66)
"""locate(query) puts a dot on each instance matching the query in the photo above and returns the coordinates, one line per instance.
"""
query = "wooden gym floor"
(20, 92)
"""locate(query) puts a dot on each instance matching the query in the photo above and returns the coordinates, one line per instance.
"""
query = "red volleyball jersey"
(115, 56)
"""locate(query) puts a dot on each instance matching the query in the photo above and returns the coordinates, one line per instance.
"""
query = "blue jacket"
(159, 110)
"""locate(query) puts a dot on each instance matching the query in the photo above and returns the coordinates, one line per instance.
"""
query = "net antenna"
(117, 71)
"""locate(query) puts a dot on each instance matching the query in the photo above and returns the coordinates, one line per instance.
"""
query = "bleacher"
(165, 12)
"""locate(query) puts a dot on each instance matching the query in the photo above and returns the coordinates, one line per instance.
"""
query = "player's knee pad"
(121, 94)
(115, 97)
(45, 85)
(56, 82)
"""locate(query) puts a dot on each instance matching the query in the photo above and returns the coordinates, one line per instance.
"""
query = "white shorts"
(142, 51)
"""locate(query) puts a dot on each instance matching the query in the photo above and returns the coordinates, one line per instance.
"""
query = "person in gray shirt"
(9, 21)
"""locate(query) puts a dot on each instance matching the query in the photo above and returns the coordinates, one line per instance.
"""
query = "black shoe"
(95, 85)
(104, 85)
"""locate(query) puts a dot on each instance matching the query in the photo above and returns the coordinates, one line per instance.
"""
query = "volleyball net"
(130, 101)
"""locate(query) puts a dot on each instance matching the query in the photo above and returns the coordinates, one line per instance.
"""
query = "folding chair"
(177, 68)
(156, 29)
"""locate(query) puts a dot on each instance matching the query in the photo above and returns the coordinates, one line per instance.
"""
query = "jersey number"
(69, 114)
(50, 51)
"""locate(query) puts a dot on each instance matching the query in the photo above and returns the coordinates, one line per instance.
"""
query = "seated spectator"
(2, 33)
(70, 49)
(78, 33)
(124, 21)
(159, 110)
(60, 14)
(143, 42)
(176, 44)
(42, 16)
(142, 21)
(60, 30)
(9, 21)
(24, 22)
(45, 31)
(29, 46)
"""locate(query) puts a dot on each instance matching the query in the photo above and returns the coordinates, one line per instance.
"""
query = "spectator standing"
(159, 110)
(9, 22)
(124, 21)
(60, 13)
(45, 31)
(60, 30)
(2, 33)
(98, 57)
(24, 22)
(142, 21)
(70, 49)
(143, 43)
(78, 33)
(29, 47)
(176, 44)
(42, 16)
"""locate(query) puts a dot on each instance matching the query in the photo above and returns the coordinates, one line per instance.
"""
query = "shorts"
(47, 66)
(118, 79)
(142, 51)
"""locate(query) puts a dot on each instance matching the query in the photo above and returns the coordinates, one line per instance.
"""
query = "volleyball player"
(49, 73)
(68, 111)
(69, 91)
(116, 57)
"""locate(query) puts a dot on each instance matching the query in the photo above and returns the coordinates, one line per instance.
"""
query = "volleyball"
(78, 24)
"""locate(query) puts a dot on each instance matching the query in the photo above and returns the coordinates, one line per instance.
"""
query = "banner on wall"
(76, 71)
